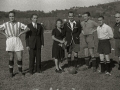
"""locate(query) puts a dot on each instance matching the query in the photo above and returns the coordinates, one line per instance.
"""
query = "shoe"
(58, 71)
(62, 70)
(119, 67)
(108, 73)
(11, 75)
(39, 72)
(113, 49)
(21, 74)
(28, 74)
(94, 69)
(99, 71)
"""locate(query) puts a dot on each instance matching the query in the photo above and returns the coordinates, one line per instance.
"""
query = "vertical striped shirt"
(13, 29)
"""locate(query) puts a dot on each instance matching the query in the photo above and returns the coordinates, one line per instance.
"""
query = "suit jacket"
(70, 34)
(34, 37)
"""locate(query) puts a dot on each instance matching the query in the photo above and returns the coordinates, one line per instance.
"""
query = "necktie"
(35, 26)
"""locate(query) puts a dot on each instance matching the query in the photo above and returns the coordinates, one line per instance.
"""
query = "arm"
(64, 31)
(25, 28)
(60, 41)
(95, 26)
(2, 29)
(110, 32)
(3, 33)
(42, 36)
(79, 29)
(82, 28)
(27, 35)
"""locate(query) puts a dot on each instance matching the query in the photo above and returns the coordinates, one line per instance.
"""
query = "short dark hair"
(33, 15)
(70, 12)
(88, 13)
(101, 17)
(12, 12)
(59, 20)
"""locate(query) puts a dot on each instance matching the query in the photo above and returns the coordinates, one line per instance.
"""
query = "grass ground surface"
(83, 80)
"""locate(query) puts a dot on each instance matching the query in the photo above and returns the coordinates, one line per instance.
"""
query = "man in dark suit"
(72, 30)
(34, 43)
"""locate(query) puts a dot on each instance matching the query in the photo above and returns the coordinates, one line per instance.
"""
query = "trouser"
(34, 54)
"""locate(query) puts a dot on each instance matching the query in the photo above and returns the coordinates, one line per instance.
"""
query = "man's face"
(100, 21)
(117, 18)
(71, 17)
(34, 18)
(12, 17)
(86, 17)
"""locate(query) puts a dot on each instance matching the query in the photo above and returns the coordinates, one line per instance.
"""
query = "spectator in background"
(89, 27)
(104, 33)
(57, 50)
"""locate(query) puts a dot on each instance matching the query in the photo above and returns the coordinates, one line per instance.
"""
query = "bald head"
(117, 17)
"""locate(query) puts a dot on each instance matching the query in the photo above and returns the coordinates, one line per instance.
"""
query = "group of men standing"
(72, 30)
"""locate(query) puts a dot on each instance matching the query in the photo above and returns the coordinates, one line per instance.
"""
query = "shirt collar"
(12, 22)
(33, 23)
(117, 24)
(72, 22)
(102, 25)
(87, 20)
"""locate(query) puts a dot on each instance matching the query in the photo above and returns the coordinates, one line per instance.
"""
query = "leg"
(38, 60)
(91, 50)
(11, 63)
(93, 59)
(59, 65)
(86, 52)
(58, 70)
(69, 51)
(56, 64)
(102, 63)
(117, 51)
(86, 57)
(19, 62)
(119, 63)
(76, 58)
(107, 63)
(32, 55)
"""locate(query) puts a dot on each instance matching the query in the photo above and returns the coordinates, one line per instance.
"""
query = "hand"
(119, 29)
(62, 41)
(42, 46)
(82, 32)
(19, 35)
(28, 48)
(7, 36)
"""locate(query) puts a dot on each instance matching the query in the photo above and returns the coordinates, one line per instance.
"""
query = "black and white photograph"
(59, 44)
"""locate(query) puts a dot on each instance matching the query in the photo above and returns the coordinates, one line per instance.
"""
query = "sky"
(46, 5)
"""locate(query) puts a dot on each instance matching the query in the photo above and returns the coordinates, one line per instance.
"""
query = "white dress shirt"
(104, 32)
(71, 24)
(34, 25)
